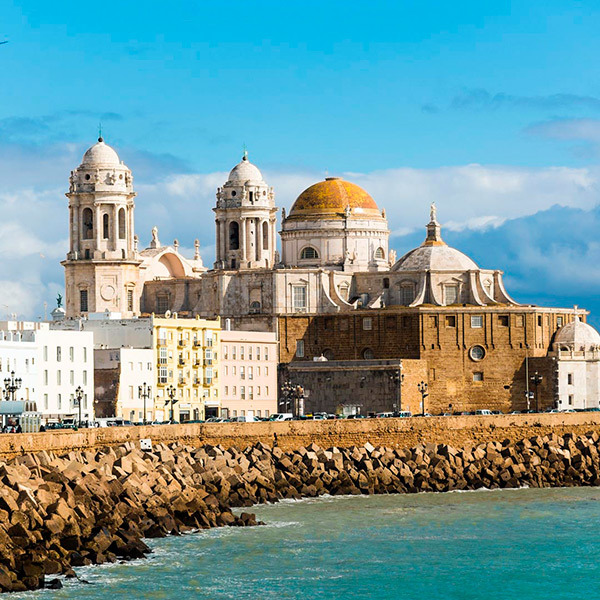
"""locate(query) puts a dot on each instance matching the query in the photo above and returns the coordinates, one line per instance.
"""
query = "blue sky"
(492, 109)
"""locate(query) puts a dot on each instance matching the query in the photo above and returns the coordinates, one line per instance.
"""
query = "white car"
(281, 417)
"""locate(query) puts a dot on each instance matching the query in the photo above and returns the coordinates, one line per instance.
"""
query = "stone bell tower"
(102, 265)
(245, 218)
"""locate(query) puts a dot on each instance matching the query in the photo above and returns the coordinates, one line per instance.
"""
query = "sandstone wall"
(457, 431)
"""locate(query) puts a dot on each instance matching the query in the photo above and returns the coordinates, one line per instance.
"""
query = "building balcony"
(181, 342)
(183, 381)
(181, 362)
(197, 344)
(196, 382)
(161, 342)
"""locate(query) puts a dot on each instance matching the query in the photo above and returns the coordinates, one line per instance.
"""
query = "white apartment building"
(51, 365)
(123, 371)
(248, 373)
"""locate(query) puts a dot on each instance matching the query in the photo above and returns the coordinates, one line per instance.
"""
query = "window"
(130, 300)
(58, 353)
(503, 320)
(570, 399)
(242, 372)
(450, 321)
(250, 374)
(266, 353)
(476, 321)
(379, 253)
(251, 393)
(131, 392)
(243, 392)
(266, 371)
(105, 226)
(234, 235)
(121, 223)
(266, 394)
(386, 283)
(162, 374)
(367, 323)
(71, 354)
(234, 390)
(85, 378)
(570, 379)
(88, 224)
(299, 298)
(257, 352)
(539, 320)
(234, 352)
(242, 352)
(478, 376)
(368, 354)
(559, 321)
(162, 356)
(300, 348)
(85, 355)
(308, 253)
(225, 352)
(46, 377)
(72, 377)
(249, 352)
(258, 390)
(477, 353)
(265, 231)
(451, 292)
(407, 293)
(59, 401)
(162, 304)
(45, 401)
(227, 390)
(83, 300)
(45, 352)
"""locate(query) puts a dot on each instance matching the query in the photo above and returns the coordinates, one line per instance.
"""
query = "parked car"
(281, 417)
(403, 414)
(216, 420)
(355, 416)
(483, 412)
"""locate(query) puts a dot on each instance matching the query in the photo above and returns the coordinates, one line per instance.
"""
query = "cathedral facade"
(335, 291)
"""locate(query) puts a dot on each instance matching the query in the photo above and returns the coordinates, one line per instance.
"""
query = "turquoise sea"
(523, 544)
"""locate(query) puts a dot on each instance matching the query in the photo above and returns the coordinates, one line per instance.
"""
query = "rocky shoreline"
(93, 507)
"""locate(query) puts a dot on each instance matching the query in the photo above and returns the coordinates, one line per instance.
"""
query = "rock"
(54, 584)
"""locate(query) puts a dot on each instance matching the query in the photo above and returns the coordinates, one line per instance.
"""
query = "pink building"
(248, 373)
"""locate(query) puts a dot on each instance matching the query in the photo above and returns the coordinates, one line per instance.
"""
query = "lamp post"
(171, 391)
(293, 395)
(422, 387)
(536, 380)
(145, 391)
(79, 400)
(397, 378)
(11, 385)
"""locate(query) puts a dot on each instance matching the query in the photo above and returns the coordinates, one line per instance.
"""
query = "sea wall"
(93, 507)
(457, 431)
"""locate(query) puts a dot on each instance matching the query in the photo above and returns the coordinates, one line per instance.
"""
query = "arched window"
(308, 253)
(407, 293)
(88, 224)
(451, 294)
(234, 236)
(122, 224)
(328, 354)
(265, 228)
(379, 253)
(105, 226)
(368, 354)
(344, 291)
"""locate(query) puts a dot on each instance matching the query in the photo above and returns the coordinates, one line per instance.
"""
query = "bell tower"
(102, 265)
(246, 220)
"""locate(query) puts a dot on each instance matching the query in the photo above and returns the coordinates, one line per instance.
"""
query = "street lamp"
(422, 387)
(171, 391)
(397, 378)
(293, 395)
(145, 391)
(11, 385)
(79, 400)
(536, 380)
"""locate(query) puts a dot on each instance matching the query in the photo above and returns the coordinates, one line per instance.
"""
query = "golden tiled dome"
(332, 198)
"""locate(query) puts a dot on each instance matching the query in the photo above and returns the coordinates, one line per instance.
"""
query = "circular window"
(264, 192)
(477, 352)
(87, 176)
(121, 176)
(233, 192)
(368, 354)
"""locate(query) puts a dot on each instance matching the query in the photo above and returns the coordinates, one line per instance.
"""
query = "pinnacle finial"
(245, 155)
(433, 213)
(100, 138)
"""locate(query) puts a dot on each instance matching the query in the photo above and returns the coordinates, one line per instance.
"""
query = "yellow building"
(187, 368)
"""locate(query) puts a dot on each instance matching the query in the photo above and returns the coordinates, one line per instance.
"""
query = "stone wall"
(397, 433)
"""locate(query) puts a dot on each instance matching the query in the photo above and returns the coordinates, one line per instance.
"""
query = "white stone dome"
(435, 258)
(578, 335)
(101, 154)
(245, 171)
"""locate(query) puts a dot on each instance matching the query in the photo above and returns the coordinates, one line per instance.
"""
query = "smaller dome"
(435, 258)
(245, 171)
(578, 334)
(101, 154)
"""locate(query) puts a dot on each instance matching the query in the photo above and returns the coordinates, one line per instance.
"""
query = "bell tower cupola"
(102, 262)
(245, 218)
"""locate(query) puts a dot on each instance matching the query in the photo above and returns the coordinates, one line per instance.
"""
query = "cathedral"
(334, 292)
